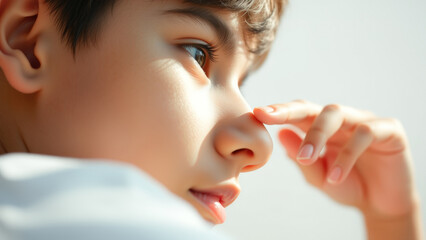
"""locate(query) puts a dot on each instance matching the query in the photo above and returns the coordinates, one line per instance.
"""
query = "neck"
(11, 138)
(2, 149)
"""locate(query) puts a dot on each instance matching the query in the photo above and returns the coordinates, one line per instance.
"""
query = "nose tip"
(245, 141)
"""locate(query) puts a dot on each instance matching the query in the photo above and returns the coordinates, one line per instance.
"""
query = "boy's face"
(148, 94)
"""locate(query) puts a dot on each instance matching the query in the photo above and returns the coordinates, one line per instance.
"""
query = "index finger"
(287, 113)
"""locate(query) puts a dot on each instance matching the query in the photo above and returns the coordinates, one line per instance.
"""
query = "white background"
(369, 54)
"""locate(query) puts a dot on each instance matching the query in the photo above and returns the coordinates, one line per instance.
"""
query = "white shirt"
(46, 197)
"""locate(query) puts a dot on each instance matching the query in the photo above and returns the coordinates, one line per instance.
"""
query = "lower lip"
(212, 203)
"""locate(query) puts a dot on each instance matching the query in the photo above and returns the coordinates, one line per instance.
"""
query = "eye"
(197, 53)
(202, 53)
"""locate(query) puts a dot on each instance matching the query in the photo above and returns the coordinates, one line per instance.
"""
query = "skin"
(146, 102)
(149, 104)
(371, 153)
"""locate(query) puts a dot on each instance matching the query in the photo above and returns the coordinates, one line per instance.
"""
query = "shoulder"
(50, 197)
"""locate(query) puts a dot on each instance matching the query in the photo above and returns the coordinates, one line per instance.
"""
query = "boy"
(154, 85)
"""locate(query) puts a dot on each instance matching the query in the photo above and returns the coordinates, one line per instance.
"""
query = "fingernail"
(334, 175)
(267, 109)
(305, 152)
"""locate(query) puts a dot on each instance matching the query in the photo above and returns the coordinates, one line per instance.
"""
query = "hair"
(81, 20)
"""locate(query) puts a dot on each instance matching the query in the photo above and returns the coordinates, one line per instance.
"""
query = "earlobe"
(20, 54)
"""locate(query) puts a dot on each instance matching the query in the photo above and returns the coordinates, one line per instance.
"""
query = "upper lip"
(226, 193)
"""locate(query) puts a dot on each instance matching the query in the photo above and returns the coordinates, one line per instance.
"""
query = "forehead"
(226, 25)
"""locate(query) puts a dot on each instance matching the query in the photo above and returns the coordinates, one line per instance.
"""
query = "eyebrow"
(226, 37)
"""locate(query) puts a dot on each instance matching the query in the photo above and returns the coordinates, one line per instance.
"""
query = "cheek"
(180, 118)
(126, 102)
(152, 115)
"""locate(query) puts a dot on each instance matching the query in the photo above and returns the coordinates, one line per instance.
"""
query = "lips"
(214, 200)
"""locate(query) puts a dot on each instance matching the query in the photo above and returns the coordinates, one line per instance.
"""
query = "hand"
(366, 162)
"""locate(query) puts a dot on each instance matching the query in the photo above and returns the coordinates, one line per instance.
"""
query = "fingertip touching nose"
(244, 141)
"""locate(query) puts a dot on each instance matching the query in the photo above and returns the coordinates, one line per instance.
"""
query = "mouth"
(215, 200)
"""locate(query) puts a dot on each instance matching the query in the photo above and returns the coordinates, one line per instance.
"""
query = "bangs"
(260, 19)
(80, 20)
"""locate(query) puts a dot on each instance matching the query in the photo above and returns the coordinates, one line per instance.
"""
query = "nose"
(245, 141)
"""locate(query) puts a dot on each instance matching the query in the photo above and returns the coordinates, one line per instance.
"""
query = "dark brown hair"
(80, 20)
(259, 17)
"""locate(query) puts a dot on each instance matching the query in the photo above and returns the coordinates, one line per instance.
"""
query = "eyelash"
(208, 49)
(211, 51)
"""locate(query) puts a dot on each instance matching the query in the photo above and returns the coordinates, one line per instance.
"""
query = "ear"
(21, 54)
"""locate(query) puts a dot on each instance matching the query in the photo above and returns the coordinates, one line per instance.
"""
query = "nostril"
(243, 151)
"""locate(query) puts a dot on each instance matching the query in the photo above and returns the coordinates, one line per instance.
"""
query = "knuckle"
(370, 114)
(399, 128)
(316, 130)
(347, 153)
(332, 108)
(280, 105)
(364, 129)
(301, 101)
